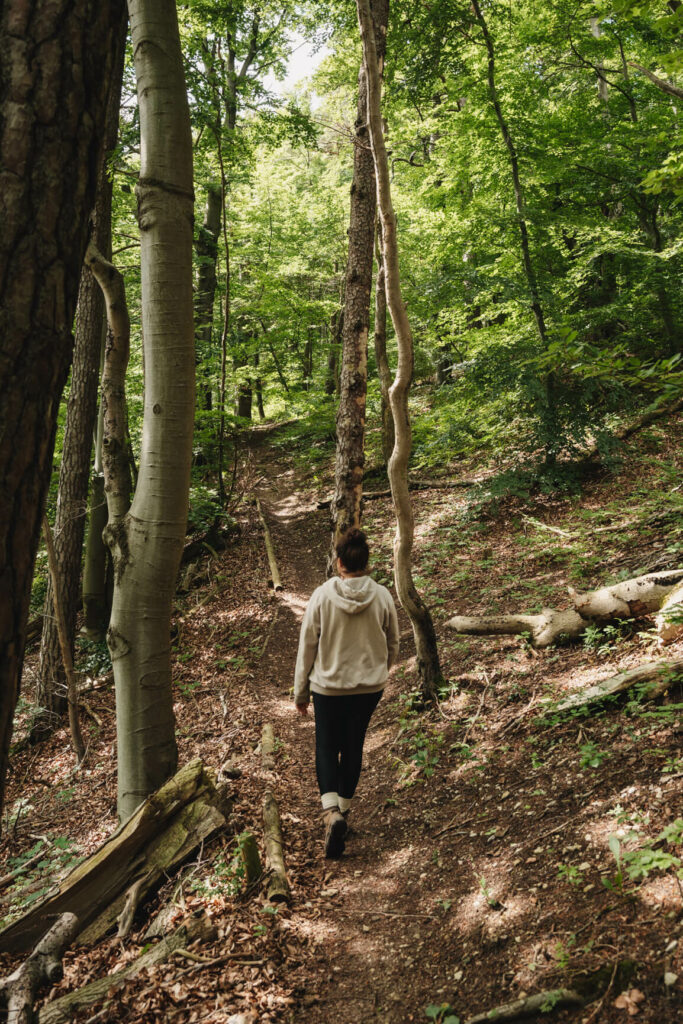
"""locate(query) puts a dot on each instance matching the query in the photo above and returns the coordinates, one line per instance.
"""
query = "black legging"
(340, 726)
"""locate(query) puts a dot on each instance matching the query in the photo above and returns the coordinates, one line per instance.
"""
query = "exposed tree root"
(18, 992)
(64, 1009)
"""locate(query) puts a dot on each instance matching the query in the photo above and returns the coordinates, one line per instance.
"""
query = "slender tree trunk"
(55, 67)
(80, 420)
(258, 386)
(67, 657)
(332, 374)
(428, 665)
(207, 253)
(147, 544)
(549, 412)
(345, 510)
(383, 368)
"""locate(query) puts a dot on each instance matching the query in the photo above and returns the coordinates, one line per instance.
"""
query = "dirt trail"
(362, 910)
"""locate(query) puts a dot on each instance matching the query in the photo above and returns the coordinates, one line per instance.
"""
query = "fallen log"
(270, 550)
(18, 992)
(63, 1010)
(630, 599)
(267, 747)
(585, 988)
(544, 629)
(216, 538)
(250, 858)
(627, 600)
(278, 886)
(669, 622)
(155, 840)
(659, 673)
(415, 485)
(541, 1002)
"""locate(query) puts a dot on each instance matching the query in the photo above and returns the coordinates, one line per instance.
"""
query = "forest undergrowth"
(498, 848)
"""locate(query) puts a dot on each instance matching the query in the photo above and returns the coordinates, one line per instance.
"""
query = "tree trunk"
(258, 386)
(55, 70)
(381, 359)
(332, 374)
(147, 544)
(207, 254)
(548, 413)
(80, 421)
(429, 669)
(350, 458)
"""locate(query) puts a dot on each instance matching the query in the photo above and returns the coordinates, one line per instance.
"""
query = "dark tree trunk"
(350, 461)
(56, 63)
(258, 387)
(206, 247)
(332, 376)
(308, 359)
(80, 421)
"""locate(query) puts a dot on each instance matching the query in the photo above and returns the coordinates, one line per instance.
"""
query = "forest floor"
(486, 860)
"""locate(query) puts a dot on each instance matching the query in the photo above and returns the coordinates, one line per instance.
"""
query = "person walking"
(348, 642)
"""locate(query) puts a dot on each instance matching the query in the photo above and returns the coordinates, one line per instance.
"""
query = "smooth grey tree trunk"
(147, 543)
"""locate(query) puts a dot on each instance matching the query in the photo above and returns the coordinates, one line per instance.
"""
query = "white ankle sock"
(344, 804)
(329, 800)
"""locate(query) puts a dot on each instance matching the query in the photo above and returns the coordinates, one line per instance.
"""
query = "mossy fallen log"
(659, 676)
(278, 886)
(155, 840)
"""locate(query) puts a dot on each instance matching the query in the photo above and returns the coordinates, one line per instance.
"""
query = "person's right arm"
(308, 648)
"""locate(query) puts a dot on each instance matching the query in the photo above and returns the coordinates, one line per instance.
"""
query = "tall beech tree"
(147, 542)
(56, 62)
(428, 665)
(350, 458)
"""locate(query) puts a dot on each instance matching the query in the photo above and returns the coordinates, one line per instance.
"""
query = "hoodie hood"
(352, 595)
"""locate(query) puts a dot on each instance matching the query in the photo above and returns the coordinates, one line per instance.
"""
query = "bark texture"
(428, 665)
(350, 458)
(81, 411)
(381, 358)
(161, 834)
(56, 61)
(147, 545)
(207, 254)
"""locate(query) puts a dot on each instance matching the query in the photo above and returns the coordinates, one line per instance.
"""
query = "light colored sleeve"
(391, 629)
(308, 648)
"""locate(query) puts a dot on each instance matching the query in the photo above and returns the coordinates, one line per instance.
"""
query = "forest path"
(357, 910)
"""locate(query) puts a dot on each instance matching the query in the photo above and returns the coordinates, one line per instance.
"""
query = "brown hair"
(352, 550)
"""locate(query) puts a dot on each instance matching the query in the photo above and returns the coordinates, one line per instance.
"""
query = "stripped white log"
(543, 629)
(630, 599)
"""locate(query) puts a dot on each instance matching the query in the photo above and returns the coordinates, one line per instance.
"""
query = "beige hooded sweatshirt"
(349, 639)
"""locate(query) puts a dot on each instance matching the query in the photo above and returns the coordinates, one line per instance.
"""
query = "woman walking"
(348, 642)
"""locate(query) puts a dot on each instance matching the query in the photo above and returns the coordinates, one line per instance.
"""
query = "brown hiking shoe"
(335, 830)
